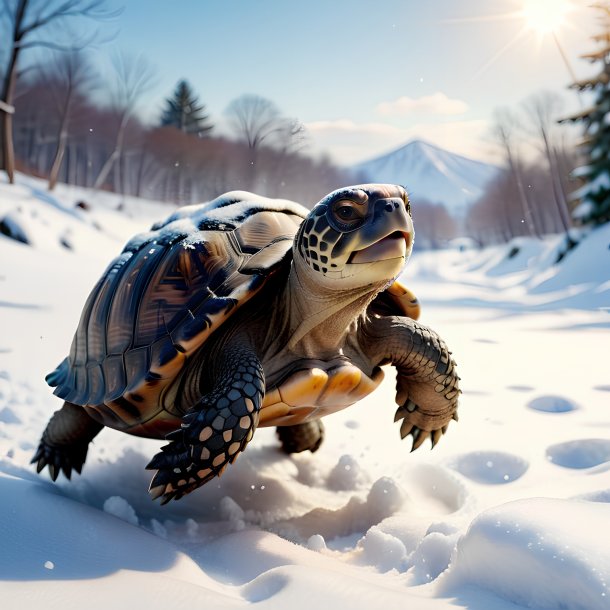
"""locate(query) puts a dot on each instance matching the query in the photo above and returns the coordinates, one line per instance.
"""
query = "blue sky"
(363, 76)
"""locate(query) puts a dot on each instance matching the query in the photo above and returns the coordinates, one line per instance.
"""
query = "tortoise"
(245, 312)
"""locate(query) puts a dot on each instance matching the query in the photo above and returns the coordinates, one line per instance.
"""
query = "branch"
(71, 8)
(40, 21)
(57, 46)
(4, 107)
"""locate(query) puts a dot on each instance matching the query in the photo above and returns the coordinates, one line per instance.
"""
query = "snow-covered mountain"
(431, 173)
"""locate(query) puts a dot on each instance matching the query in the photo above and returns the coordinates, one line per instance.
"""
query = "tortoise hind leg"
(64, 443)
(301, 437)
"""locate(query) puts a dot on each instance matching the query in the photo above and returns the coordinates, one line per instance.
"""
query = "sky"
(363, 76)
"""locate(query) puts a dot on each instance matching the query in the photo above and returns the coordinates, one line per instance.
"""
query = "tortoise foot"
(201, 449)
(302, 437)
(64, 443)
(420, 427)
(65, 458)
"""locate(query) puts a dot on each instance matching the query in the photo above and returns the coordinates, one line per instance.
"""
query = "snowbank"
(540, 553)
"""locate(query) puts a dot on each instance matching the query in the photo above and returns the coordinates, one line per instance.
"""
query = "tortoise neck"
(321, 316)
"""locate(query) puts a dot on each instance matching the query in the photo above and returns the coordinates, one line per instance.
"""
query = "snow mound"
(542, 553)
(119, 507)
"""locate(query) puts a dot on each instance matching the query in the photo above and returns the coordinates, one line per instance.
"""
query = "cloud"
(437, 103)
(348, 142)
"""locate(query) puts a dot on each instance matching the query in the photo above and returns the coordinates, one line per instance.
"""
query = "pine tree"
(185, 112)
(594, 195)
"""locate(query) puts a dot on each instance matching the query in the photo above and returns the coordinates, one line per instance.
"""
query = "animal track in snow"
(490, 467)
(520, 388)
(602, 495)
(552, 404)
(583, 453)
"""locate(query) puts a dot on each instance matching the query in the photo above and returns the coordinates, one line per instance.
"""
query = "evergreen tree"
(594, 195)
(185, 112)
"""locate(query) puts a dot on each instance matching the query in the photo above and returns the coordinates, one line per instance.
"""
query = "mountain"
(431, 173)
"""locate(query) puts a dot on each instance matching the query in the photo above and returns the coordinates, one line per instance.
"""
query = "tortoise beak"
(394, 245)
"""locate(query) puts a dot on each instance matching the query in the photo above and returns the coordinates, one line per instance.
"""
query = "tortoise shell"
(162, 297)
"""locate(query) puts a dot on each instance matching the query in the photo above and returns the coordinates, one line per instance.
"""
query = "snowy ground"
(509, 511)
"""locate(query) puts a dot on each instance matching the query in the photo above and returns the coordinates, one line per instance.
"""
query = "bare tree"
(30, 21)
(504, 130)
(542, 110)
(133, 77)
(255, 119)
(259, 123)
(66, 81)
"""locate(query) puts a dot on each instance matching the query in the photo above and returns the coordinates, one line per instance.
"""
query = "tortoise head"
(357, 236)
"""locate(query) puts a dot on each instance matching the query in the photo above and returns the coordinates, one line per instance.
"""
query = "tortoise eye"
(346, 212)
(348, 215)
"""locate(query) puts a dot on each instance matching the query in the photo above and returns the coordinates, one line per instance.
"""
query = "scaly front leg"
(427, 386)
(215, 430)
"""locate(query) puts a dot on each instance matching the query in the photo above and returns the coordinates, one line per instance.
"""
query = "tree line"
(52, 125)
(564, 185)
(530, 195)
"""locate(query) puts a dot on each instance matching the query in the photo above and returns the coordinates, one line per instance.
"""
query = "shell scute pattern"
(161, 298)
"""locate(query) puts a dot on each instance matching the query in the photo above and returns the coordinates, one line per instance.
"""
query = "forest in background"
(53, 126)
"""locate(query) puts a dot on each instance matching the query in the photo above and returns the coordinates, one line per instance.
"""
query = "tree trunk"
(116, 153)
(562, 201)
(7, 152)
(140, 173)
(58, 160)
(88, 162)
(61, 147)
(527, 214)
(557, 194)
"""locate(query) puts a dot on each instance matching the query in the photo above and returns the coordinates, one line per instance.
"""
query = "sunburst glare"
(540, 18)
(546, 16)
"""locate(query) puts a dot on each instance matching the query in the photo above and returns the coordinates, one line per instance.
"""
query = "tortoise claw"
(406, 428)
(157, 491)
(66, 458)
(53, 472)
(419, 436)
(401, 413)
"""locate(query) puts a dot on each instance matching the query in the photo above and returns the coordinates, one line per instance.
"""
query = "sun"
(545, 16)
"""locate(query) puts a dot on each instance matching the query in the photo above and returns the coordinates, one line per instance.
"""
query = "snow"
(507, 548)
(509, 511)
(600, 182)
